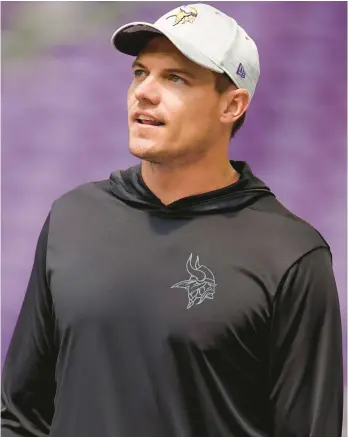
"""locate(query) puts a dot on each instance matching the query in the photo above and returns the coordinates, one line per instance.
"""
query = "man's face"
(180, 94)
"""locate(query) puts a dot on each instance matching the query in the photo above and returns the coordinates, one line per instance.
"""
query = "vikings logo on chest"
(201, 284)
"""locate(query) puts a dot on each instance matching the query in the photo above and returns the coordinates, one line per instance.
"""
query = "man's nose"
(148, 90)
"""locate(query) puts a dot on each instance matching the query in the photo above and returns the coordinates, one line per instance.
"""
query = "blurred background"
(64, 119)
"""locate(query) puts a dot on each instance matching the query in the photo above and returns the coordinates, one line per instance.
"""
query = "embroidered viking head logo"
(187, 14)
(201, 284)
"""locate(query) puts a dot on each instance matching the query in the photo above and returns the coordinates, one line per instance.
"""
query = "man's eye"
(138, 73)
(176, 79)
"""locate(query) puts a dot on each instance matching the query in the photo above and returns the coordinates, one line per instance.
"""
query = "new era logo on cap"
(240, 71)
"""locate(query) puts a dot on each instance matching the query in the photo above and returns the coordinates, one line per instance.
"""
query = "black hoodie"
(214, 316)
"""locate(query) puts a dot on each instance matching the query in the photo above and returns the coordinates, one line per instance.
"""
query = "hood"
(129, 187)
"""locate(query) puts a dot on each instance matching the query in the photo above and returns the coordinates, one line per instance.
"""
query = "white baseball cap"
(204, 35)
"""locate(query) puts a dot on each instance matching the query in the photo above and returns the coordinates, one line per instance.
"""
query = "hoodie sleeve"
(28, 378)
(306, 365)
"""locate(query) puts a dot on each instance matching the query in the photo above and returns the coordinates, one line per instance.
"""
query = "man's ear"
(233, 105)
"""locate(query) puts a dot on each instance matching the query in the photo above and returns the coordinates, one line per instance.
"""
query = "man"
(179, 298)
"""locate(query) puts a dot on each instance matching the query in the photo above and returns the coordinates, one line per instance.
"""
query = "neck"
(171, 182)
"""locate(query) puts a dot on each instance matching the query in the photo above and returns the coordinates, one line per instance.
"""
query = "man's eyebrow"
(182, 71)
(167, 70)
(136, 63)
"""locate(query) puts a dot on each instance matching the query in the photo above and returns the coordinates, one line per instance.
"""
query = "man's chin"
(147, 150)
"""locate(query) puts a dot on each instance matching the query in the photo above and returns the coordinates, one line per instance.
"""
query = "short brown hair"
(222, 82)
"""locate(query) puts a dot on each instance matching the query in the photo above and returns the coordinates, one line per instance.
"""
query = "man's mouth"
(148, 120)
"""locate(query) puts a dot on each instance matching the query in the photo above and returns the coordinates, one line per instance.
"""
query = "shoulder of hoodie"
(286, 228)
(86, 195)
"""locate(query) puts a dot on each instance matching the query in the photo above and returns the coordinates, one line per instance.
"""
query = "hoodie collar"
(129, 187)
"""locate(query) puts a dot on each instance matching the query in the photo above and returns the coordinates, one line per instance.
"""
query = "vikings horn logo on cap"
(184, 16)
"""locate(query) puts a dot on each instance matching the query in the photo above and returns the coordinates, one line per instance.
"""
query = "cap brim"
(132, 38)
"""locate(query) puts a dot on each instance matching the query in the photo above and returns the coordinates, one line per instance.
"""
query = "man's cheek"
(130, 94)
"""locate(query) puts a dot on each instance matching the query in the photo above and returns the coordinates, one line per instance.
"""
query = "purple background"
(64, 119)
